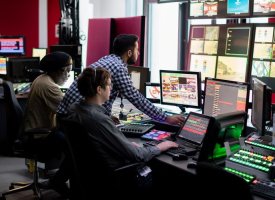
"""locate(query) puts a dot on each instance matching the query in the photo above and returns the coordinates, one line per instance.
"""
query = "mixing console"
(250, 162)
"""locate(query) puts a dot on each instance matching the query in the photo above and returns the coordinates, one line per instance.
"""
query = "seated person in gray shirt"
(94, 84)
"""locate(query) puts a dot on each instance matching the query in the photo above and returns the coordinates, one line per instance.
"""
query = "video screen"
(181, 88)
(222, 96)
(264, 7)
(204, 64)
(198, 32)
(232, 68)
(212, 32)
(237, 6)
(152, 92)
(262, 51)
(196, 46)
(202, 8)
(260, 68)
(237, 41)
(195, 128)
(12, 45)
(3, 66)
(272, 69)
(264, 34)
(39, 52)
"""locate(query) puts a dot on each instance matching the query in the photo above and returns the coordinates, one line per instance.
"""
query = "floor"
(14, 170)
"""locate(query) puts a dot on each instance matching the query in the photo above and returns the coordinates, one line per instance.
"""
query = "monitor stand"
(182, 108)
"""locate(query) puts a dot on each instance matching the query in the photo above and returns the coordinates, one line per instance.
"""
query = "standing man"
(126, 51)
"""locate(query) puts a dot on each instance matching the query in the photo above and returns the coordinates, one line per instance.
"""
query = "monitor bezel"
(198, 75)
(227, 81)
(14, 53)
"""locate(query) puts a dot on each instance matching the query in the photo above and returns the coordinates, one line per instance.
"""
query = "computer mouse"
(179, 157)
(192, 165)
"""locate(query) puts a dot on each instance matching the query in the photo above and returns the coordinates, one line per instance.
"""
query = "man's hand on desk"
(175, 119)
(115, 119)
(163, 146)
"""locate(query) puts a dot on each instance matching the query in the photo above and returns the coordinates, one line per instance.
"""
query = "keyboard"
(136, 129)
(172, 152)
(263, 188)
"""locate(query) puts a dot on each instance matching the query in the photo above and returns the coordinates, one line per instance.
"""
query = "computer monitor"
(73, 75)
(261, 105)
(19, 68)
(3, 66)
(12, 45)
(152, 92)
(74, 50)
(223, 96)
(139, 76)
(180, 88)
(39, 52)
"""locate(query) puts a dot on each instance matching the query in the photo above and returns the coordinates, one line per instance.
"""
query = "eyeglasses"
(95, 75)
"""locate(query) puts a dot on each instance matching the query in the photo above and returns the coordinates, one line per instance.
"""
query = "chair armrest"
(131, 166)
(39, 131)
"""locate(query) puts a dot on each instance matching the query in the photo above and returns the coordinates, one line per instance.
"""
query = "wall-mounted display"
(220, 51)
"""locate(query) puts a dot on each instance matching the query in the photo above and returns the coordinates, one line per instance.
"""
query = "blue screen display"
(237, 6)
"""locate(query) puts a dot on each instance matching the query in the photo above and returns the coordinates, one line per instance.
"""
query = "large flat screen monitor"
(223, 96)
(12, 45)
(261, 105)
(180, 88)
(19, 68)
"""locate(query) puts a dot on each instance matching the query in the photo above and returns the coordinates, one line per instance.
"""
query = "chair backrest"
(89, 174)
(14, 115)
(213, 182)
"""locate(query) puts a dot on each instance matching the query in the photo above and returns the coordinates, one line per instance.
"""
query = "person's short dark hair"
(122, 43)
(55, 61)
(90, 79)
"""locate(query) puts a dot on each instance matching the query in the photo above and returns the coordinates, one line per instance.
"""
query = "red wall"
(20, 17)
(54, 16)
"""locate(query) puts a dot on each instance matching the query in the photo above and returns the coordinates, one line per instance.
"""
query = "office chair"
(14, 119)
(90, 177)
(212, 180)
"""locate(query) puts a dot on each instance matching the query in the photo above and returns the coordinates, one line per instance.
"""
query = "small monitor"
(3, 66)
(180, 88)
(223, 96)
(18, 68)
(139, 75)
(261, 105)
(73, 75)
(152, 92)
(12, 45)
(39, 52)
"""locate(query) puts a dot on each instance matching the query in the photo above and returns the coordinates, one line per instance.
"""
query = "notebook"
(193, 131)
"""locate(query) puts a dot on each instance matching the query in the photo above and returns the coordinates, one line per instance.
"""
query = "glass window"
(162, 38)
